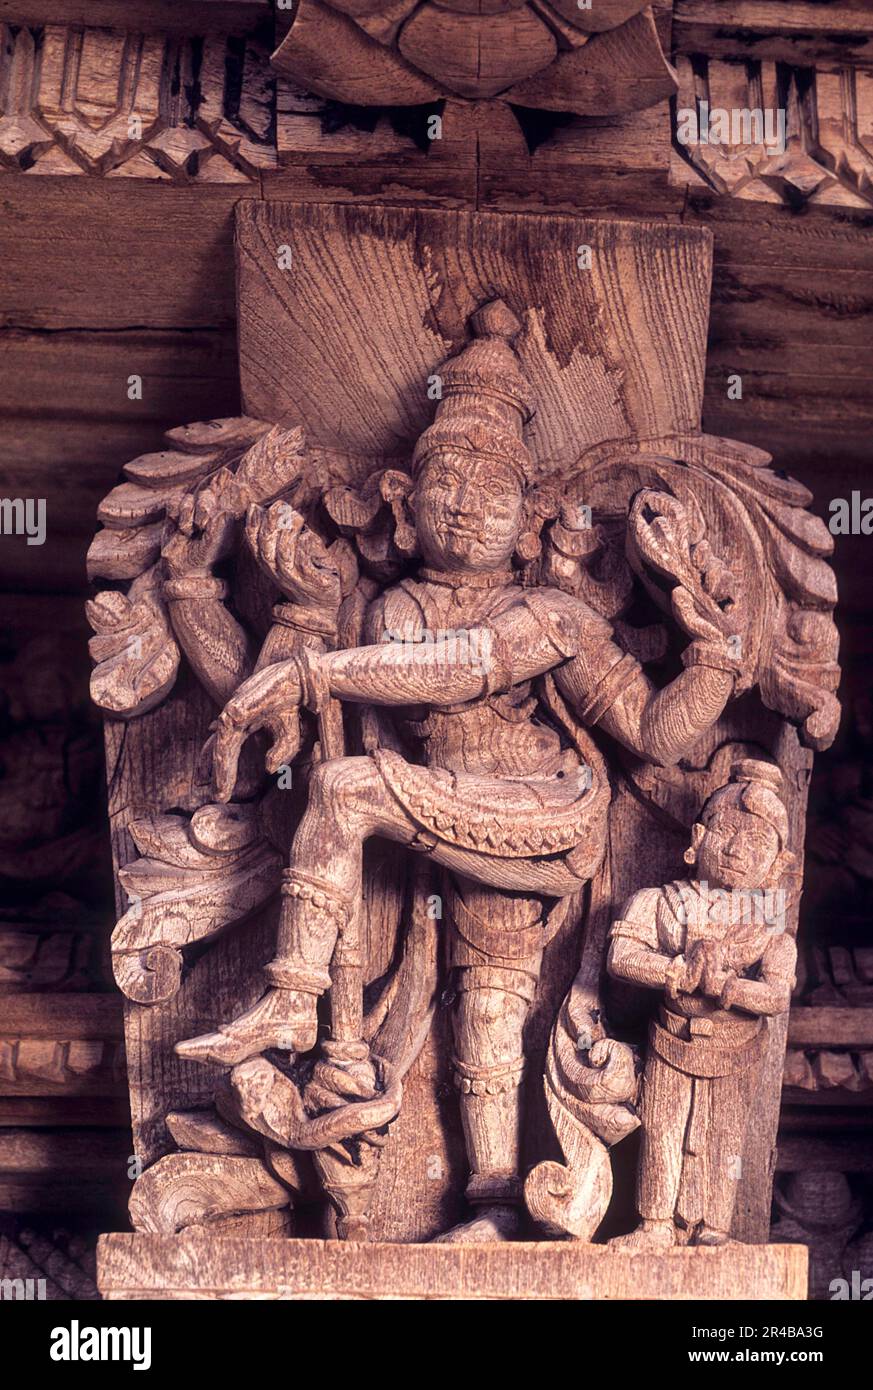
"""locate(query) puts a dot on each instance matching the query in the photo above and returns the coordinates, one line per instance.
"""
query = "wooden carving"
(553, 55)
(717, 945)
(524, 668)
(158, 106)
(823, 155)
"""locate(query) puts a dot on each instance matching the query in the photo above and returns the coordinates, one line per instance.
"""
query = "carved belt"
(702, 1056)
(521, 819)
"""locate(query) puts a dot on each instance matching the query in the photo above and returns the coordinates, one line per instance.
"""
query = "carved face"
(736, 850)
(468, 512)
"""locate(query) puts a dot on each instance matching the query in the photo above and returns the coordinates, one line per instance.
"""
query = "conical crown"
(486, 399)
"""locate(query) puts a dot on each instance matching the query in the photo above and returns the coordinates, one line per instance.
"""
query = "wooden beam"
(830, 1027)
(61, 1016)
(789, 31)
(120, 254)
(192, 17)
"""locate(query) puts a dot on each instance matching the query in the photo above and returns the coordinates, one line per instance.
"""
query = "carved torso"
(672, 919)
(492, 734)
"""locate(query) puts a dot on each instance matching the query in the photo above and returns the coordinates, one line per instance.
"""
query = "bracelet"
(713, 655)
(497, 662)
(195, 586)
(318, 620)
(608, 689)
(314, 680)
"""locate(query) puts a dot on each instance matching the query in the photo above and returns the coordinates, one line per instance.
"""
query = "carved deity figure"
(716, 944)
(480, 691)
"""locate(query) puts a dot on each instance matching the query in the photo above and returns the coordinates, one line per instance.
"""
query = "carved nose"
(465, 506)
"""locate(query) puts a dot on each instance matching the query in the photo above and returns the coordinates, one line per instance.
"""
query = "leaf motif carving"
(194, 878)
(124, 554)
(186, 1189)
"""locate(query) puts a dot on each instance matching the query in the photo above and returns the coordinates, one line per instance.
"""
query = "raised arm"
(216, 645)
(660, 726)
(607, 686)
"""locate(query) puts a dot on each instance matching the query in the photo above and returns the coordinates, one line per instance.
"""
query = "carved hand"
(202, 532)
(296, 558)
(222, 494)
(185, 555)
(715, 967)
(267, 700)
(666, 543)
(684, 972)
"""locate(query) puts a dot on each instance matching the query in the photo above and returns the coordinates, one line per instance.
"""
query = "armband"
(606, 692)
(314, 680)
(321, 621)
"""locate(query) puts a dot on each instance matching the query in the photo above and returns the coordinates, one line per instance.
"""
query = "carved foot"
(498, 1222)
(282, 1018)
(649, 1235)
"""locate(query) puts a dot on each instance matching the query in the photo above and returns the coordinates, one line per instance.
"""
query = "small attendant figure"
(718, 948)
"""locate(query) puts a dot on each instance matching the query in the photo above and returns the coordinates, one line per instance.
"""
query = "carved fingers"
(201, 528)
(293, 555)
(267, 700)
(667, 548)
(685, 972)
(716, 970)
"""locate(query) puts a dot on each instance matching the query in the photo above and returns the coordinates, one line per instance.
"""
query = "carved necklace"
(464, 579)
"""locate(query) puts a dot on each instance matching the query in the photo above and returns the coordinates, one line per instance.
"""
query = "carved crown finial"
(495, 320)
(486, 398)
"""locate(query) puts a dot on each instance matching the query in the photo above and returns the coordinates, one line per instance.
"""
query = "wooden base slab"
(199, 1266)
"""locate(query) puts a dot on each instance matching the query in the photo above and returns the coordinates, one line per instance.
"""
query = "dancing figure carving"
(457, 662)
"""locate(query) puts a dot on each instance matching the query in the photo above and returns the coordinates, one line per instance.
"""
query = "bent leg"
(321, 893)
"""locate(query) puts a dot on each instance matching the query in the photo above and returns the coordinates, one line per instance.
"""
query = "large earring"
(542, 503)
(690, 855)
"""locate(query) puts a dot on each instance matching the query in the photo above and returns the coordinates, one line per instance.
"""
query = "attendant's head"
(740, 840)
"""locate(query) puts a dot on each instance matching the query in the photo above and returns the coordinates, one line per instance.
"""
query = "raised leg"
(321, 893)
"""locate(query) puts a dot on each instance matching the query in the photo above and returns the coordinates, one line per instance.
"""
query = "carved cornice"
(180, 108)
(800, 32)
(830, 1048)
(60, 1044)
(131, 105)
(827, 159)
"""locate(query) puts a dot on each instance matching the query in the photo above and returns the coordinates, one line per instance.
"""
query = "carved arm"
(663, 726)
(771, 994)
(215, 644)
(217, 647)
(632, 960)
(608, 687)
(636, 953)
